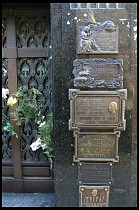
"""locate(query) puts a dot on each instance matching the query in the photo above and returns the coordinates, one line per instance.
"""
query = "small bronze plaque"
(99, 38)
(93, 196)
(97, 109)
(95, 173)
(96, 146)
(100, 73)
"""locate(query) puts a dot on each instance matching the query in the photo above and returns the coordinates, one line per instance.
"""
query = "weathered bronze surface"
(97, 73)
(97, 109)
(95, 173)
(96, 146)
(93, 196)
(99, 38)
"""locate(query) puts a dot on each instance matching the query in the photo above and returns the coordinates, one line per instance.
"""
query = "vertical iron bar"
(12, 83)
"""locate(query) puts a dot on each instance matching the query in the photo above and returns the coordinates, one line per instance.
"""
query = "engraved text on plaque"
(93, 196)
(96, 146)
(99, 38)
(100, 73)
(97, 109)
(94, 173)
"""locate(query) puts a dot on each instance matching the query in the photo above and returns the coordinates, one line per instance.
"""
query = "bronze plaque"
(99, 38)
(94, 173)
(97, 109)
(100, 73)
(93, 196)
(96, 146)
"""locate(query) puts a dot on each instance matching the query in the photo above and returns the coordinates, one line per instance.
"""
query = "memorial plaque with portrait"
(93, 196)
(97, 109)
(98, 38)
(96, 146)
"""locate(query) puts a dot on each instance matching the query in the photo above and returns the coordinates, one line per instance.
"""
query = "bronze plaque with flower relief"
(96, 146)
(97, 109)
(93, 196)
(98, 38)
(100, 73)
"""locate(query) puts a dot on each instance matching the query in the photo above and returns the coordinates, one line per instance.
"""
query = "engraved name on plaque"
(100, 73)
(97, 109)
(98, 38)
(96, 146)
(94, 173)
(93, 196)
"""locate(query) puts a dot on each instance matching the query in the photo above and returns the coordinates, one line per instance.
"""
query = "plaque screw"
(109, 182)
(106, 189)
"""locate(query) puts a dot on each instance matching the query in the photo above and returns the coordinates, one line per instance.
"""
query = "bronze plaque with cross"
(93, 196)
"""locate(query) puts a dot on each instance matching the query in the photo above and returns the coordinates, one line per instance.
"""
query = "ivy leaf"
(14, 133)
(8, 127)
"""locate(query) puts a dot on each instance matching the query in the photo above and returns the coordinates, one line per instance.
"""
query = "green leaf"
(14, 133)
(8, 127)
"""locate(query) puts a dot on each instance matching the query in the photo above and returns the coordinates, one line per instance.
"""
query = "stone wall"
(63, 30)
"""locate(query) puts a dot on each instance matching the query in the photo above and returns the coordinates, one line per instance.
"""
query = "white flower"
(43, 146)
(36, 145)
(68, 22)
(5, 92)
(43, 123)
(75, 18)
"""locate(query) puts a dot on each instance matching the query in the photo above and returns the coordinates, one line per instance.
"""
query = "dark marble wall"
(63, 46)
(123, 190)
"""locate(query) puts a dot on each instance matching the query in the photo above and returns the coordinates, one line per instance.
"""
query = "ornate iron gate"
(25, 55)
